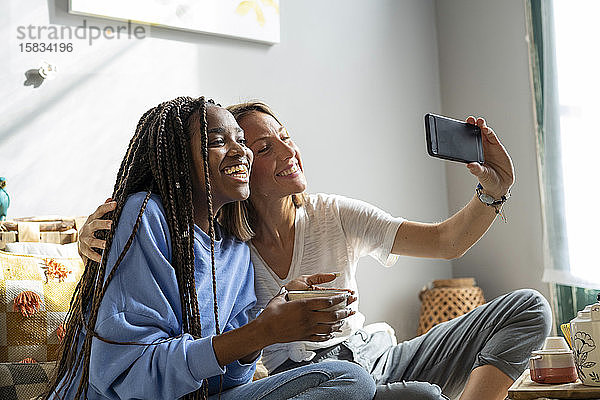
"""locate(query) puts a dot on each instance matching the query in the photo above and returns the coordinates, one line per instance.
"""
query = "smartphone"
(454, 140)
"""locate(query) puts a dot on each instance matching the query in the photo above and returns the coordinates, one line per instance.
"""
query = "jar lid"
(586, 312)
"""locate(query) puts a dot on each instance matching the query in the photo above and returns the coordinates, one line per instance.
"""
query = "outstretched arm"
(454, 236)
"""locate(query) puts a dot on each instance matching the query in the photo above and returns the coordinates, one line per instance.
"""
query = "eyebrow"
(257, 139)
(281, 128)
(220, 129)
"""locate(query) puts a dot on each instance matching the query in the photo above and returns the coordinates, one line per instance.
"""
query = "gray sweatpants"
(502, 333)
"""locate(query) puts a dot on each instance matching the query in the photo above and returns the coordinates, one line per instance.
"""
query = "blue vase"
(4, 199)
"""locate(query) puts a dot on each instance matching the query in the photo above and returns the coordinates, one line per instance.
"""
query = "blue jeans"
(327, 380)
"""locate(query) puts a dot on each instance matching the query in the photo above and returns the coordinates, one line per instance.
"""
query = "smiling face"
(277, 170)
(229, 159)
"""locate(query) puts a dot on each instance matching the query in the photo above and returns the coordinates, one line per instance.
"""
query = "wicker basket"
(448, 299)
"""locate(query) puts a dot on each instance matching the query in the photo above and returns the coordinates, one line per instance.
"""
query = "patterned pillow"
(35, 293)
(24, 381)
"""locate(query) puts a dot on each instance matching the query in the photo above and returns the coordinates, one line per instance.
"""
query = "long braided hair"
(158, 160)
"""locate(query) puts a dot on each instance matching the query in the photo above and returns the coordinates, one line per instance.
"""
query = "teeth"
(295, 168)
(239, 170)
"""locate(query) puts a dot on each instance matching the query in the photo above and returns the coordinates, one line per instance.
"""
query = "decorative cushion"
(35, 293)
(19, 381)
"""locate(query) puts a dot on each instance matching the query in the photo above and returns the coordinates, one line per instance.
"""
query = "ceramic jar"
(553, 363)
(552, 366)
(585, 340)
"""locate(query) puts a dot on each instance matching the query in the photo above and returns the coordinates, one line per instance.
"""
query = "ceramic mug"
(306, 294)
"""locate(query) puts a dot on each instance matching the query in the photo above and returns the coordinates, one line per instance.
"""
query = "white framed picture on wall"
(256, 20)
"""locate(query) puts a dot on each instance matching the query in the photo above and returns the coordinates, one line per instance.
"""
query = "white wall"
(484, 71)
(352, 80)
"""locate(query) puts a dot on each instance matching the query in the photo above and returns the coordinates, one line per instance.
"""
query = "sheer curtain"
(563, 42)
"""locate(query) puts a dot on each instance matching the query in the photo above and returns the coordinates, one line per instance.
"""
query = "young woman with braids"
(166, 313)
(296, 235)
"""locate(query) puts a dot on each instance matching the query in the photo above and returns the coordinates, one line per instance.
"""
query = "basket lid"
(457, 282)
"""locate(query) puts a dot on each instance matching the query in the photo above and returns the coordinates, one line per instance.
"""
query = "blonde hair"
(240, 217)
(235, 218)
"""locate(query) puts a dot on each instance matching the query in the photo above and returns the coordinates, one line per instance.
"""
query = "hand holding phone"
(468, 142)
(453, 140)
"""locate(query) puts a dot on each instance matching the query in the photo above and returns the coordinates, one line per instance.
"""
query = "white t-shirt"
(331, 233)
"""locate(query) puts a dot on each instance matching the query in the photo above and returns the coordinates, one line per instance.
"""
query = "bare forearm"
(461, 231)
(243, 344)
(496, 176)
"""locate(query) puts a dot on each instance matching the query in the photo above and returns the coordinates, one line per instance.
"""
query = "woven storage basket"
(448, 299)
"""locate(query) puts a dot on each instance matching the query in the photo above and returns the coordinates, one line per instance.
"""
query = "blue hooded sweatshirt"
(142, 304)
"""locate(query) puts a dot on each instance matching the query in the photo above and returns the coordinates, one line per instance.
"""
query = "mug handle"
(532, 359)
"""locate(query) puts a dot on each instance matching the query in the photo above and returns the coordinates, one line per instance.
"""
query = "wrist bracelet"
(490, 201)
